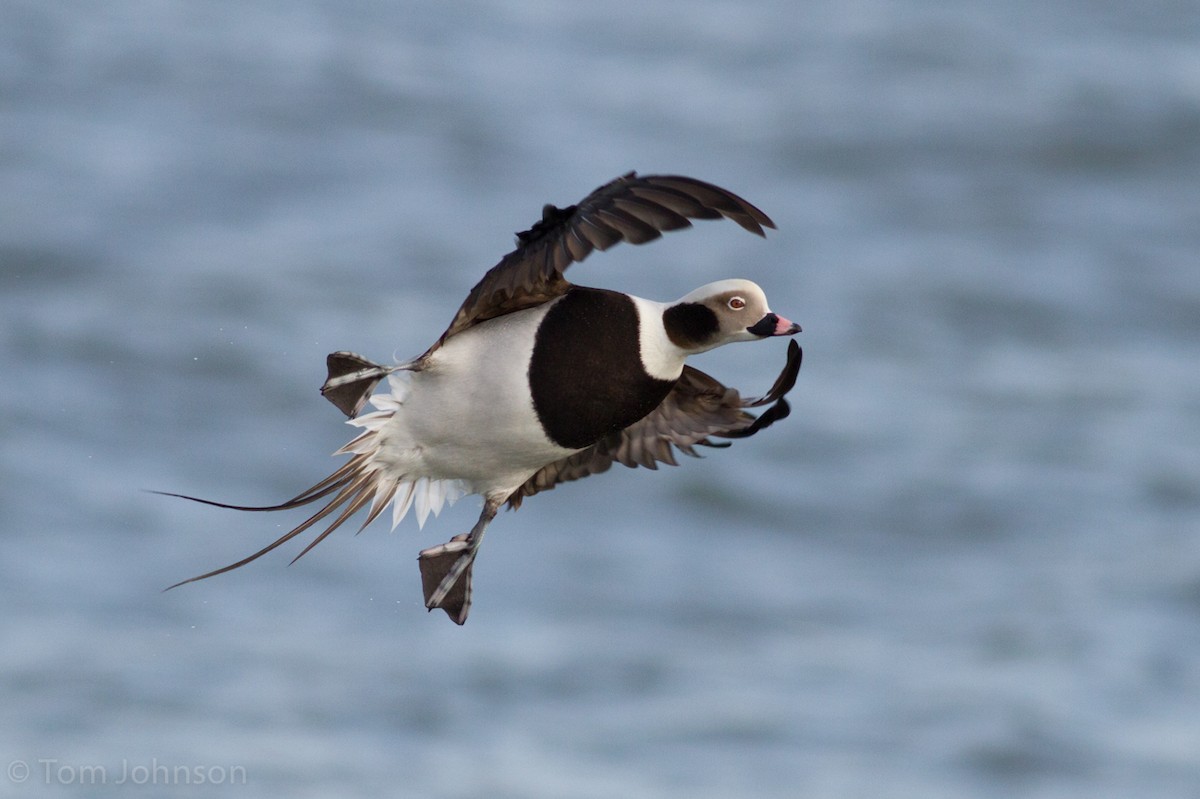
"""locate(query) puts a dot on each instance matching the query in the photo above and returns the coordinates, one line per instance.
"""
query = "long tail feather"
(362, 482)
(352, 480)
(361, 492)
(324, 488)
(357, 486)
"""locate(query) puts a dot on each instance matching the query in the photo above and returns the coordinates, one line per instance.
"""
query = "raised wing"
(697, 407)
(631, 208)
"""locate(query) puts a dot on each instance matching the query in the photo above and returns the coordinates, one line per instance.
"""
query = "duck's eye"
(737, 303)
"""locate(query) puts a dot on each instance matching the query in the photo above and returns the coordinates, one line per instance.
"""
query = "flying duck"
(538, 381)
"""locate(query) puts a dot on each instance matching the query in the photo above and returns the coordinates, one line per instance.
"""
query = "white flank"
(403, 491)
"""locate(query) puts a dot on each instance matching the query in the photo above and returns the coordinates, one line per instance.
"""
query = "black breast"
(586, 374)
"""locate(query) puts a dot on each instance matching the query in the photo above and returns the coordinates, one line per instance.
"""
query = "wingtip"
(754, 221)
(760, 220)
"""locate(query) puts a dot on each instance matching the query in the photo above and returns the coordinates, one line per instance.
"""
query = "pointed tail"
(355, 485)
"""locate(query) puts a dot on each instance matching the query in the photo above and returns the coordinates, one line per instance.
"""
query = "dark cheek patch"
(690, 324)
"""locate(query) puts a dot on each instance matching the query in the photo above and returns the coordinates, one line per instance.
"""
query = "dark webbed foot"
(436, 564)
(446, 569)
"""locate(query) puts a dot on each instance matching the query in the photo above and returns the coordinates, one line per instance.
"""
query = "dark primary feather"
(697, 407)
(631, 208)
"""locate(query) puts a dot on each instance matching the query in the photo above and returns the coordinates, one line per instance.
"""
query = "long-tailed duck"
(538, 381)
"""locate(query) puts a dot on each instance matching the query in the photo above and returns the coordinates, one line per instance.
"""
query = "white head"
(723, 312)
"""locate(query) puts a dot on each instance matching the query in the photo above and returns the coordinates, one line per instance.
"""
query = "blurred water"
(968, 564)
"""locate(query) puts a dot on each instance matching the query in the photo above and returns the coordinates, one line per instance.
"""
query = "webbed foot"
(438, 565)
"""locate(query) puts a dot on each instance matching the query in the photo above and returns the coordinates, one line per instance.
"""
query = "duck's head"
(721, 313)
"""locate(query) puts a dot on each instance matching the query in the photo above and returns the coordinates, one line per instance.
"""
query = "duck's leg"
(446, 568)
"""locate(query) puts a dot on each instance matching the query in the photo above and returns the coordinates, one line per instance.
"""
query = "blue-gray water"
(967, 566)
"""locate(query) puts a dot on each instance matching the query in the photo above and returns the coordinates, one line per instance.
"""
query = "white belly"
(468, 414)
